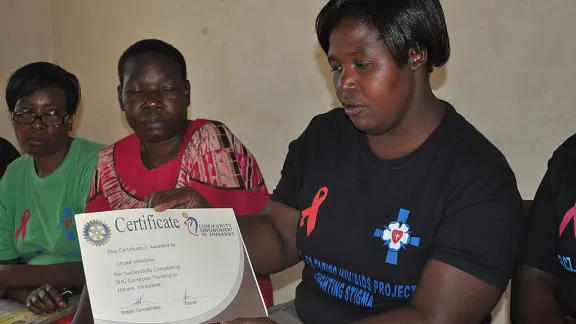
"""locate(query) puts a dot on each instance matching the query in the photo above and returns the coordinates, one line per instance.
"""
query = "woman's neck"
(156, 154)
(46, 165)
(422, 117)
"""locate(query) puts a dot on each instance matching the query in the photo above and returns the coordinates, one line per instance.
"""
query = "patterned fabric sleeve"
(224, 170)
(96, 201)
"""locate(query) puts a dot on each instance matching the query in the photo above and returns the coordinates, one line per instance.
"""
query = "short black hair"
(35, 76)
(155, 46)
(401, 24)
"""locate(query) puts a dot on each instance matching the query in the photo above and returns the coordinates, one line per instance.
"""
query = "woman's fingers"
(45, 299)
(185, 197)
(56, 298)
(34, 301)
(34, 310)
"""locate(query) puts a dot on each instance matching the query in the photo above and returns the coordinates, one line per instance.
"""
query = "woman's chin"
(362, 124)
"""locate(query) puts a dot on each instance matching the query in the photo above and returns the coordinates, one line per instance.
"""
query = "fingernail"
(61, 304)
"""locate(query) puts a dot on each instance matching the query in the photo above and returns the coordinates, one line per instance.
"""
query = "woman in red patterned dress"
(171, 161)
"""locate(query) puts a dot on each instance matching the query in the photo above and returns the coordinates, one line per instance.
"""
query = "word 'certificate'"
(177, 266)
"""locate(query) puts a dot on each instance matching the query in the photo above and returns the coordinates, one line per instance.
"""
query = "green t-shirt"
(37, 214)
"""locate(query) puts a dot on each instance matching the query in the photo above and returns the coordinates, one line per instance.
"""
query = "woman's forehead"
(150, 63)
(353, 37)
(50, 96)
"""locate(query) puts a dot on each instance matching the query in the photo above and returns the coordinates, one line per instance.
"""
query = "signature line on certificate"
(187, 299)
(140, 302)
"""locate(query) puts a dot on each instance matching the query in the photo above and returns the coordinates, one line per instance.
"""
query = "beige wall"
(24, 37)
(258, 63)
(510, 73)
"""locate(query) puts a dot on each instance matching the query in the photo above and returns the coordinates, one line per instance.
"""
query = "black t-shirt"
(549, 241)
(368, 225)
(7, 154)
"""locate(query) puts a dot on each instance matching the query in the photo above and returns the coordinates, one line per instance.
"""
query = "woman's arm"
(533, 300)
(538, 270)
(19, 295)
(4, 291)
(270, 238)
(68, 275)
(19, 281)
(445, 295)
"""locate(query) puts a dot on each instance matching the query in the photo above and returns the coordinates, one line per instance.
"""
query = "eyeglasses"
(48, 120)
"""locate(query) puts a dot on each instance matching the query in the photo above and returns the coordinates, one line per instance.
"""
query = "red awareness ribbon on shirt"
(570, 215)
(23, 222)
(312, 212)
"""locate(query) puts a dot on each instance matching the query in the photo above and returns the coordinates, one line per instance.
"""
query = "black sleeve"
(8, 153)
(538, 248)
(288, 188)
(295, 166)
(482, 220)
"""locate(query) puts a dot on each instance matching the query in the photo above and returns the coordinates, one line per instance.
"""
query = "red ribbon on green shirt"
(24, 221)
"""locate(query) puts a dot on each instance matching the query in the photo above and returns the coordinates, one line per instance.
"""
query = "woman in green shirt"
(42, 190)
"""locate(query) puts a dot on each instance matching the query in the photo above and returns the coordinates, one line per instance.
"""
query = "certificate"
(178, 266)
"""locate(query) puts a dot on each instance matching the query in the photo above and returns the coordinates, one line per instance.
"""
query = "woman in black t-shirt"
(401, 211)
(544, 284)
(8, 153)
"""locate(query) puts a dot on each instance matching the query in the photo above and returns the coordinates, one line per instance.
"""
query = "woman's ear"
(69, 122)
(417, 58)
(187, 92)
(119, 91)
